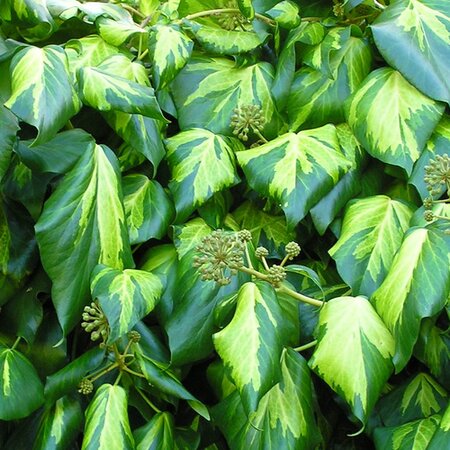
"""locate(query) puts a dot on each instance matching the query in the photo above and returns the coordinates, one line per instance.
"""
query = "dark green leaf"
(8, 131)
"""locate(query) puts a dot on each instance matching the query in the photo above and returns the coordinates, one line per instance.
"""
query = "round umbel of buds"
(437, 175)
(428, 203)
(428, 215)
(85, 386)
(134, 336)
(261, 252)
(276, 275)
(245, 235)
(246, 118)
(292, 250)
(95, 322)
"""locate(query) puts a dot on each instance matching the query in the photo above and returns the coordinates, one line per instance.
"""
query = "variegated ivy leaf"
(207, 91)
(246, 8)
(420, 396)
(251, 344)
(296, 170)
(42, 92)
(439, 144)
(107, 426)
(125, 296)
(410, 436)
(413, 36)
(8, 130)
(82, 225)
(202, 163)
(285, 415)
(59, 424)
(17, 375)
(223, 42)
(392, 119)
(120, 65)
(102, 89)
(348, 187)
(371, 234)
(441, 436)
(189, 235)
(169, 50)
(317, 98)
(417, 286)
(268, 230)
(353, 354)
(285, 14)
(117, 32)
(148, 208)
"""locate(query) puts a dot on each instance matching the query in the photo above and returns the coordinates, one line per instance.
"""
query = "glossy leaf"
(285, 14)
(202, 163)
(285, 415)
(296, 170)
(371, 234)
(8, 130)
(440, 438)
(252, 356)
(82, 225)
(417, 286)
(413, 37)
(246, 8)
(124, 296)
(148, 208)
(117, 32)
(392, 119)
(17, 375)
(170, 49)
(107, 425)
(353, 354)
(207, 91)
(42, 93)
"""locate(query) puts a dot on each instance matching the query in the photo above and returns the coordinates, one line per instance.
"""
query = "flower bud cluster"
(232, 20)
(261, 252)
(246, 118)
(276, 275)
(220, 255)
(94, 322)
(292, 250)
(437, 175)
(134, 336)
(85, 386)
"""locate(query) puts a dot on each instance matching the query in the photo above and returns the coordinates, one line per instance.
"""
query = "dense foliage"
(224, 224)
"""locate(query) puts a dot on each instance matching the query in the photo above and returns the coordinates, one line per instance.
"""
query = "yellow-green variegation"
(125, 296)
(107, 425)
(202, 163)
(296, 170)
(251, 344)
(117, 32)
(208, 89)
(392, 119)
(170, 49)
(148, 208)
(442, 435)
(416, 286)
(83, 224)
(18, 376)
(413, 36)
(353, 354)
(372, 232)
(42, 92)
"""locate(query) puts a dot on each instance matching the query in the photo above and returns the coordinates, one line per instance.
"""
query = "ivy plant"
(224, 224)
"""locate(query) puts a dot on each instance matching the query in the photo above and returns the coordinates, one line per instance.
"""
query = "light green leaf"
(317, 98)
(124, 296)
(251, 344)
(148, 208)
(419, 397)
(202, 163)
(285, 415)
(392, 119)
(410, 436)
(267, 230)
(169, 50)
(207, 91)
(246, 8)
(83, 224)
(353, 354)
(159, 376)
(107, 426)
(59, 425)
(189, 235)
(223, 42)
(371, 234)
(439, 144)
(413, 36)
(8, 130)
(102, 89)
(17, 376)
(417, 286)
(117, 32)
(285, 14)
(296, 170)
(42, 92)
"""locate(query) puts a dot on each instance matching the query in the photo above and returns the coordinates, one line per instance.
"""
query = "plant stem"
(264, 261)
(143, 54)
(133, 10)
(105, 371)
(147, 400)
(247, 255)
(137, 374)
(217, 12)
(16, 343)
(379, 5)
(306, 346)
(258, 133)
(445, 200)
